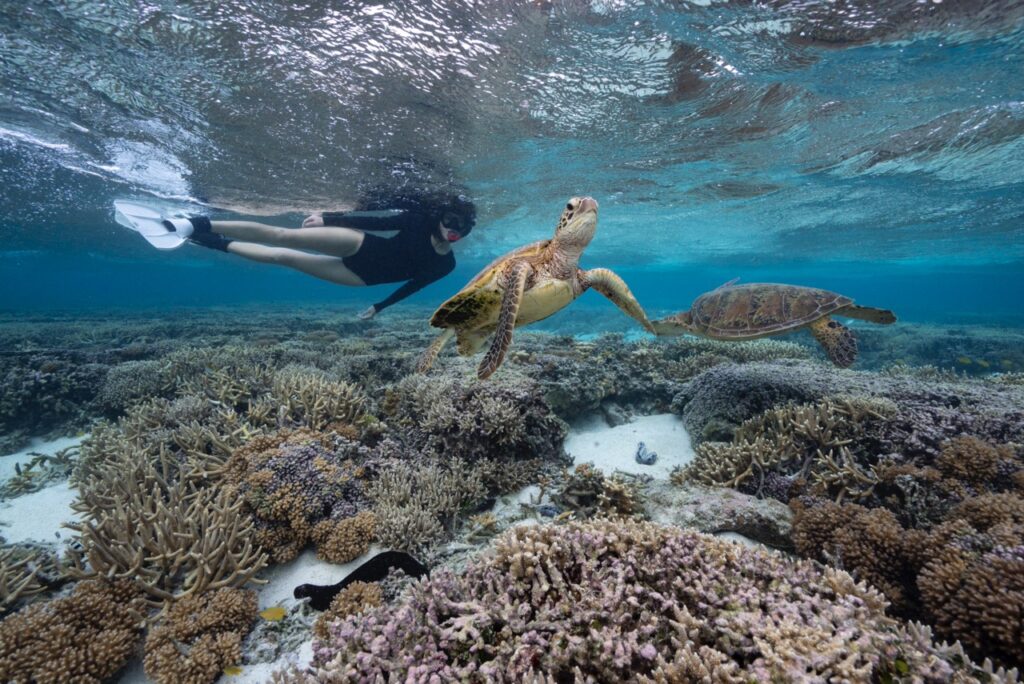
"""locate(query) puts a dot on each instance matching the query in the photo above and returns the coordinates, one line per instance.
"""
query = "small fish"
(232, 670)
(273, 614)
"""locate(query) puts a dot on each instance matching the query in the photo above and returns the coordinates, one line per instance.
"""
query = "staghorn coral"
(312, 399)
(352, 600)
(588, 492)
(25, 572)
(199, 636)
(807, 442)
(618, 601)
(417, 504)
(85, 637)
(970, 460)
(171, 538)
(507, 422)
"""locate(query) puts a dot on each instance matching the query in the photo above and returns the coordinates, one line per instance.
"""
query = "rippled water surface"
(736, 135)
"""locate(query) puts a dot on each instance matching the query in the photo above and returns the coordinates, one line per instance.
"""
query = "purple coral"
(611, 601)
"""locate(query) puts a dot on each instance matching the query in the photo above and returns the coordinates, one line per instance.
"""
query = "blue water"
(875, 149)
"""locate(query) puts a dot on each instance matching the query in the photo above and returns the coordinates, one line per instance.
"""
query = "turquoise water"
(171, 399)
(876, 149)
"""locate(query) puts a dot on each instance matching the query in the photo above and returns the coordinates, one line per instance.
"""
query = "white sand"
(38, 516)
(614, 448)
(37, 446)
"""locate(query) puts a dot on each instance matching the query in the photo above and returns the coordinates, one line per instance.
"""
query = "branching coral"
(504, 421)
(85, 637)
(171, 538)
(809, 442)
(353, 599)
(608, 601)
(200, 636)
(314, 400)
(965, 576)
(300, 486)
(589, 493)
(24, 572)
(416, 505)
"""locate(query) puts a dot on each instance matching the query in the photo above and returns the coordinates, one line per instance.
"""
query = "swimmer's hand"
(313, 221)
(368, 313)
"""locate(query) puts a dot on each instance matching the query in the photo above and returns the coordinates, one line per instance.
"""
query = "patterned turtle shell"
(758, 309)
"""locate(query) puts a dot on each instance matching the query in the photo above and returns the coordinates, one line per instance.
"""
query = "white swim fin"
(149, 223)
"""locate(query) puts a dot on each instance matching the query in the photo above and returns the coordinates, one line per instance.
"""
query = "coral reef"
(200, 636)
(965, 576)
(352, 600)
(417, 503)
(26, 571)
(617, 601)
(85, 637)
(929, 412)
(440, 416)
(818, 447)
(586, 491)
(300, 486)
(170, 538)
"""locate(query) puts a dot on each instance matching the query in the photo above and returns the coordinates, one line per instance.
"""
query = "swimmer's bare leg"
(329, 268)
(334, 241)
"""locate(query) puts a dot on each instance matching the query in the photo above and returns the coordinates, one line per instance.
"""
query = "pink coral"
(617, 601)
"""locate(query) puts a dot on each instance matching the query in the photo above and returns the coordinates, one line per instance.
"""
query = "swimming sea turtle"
(527, 285)
(746, 312)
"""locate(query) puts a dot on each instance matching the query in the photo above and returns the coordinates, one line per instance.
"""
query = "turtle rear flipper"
(428, 357)
(869, 313)
(515, 284)
(839, 343)
(614, 288)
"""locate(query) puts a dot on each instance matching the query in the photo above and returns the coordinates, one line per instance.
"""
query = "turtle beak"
(587, 204)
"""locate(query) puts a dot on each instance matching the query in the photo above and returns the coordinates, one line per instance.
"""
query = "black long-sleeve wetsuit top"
(408, 256)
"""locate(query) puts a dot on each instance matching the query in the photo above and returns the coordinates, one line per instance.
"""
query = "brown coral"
(868, 543)
(200, 636)
(339, 541)
(971, 460)
(85, 637)
(353, 599)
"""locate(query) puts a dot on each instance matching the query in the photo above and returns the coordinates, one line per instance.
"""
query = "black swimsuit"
(409, 255)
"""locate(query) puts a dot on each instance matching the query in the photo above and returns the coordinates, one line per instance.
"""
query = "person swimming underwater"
(334, 246)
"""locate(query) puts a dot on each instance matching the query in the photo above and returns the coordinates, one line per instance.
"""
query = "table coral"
(627, 601)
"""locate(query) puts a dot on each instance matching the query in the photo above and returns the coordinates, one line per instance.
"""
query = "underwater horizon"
(215, 467)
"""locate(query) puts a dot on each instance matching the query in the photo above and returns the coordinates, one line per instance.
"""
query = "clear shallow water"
(855, 145)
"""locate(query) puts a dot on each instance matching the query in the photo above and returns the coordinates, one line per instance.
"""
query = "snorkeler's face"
(451, 227)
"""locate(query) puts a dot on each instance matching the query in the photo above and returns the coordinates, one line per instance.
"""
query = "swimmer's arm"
(415, 285)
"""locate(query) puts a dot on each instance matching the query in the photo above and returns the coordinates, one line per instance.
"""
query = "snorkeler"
(419, 254)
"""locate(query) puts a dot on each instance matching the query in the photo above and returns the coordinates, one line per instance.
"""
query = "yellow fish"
(273, 614)
(232, 670)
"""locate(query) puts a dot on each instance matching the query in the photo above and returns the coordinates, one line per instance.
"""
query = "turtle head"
(578, 223)
(674, 325)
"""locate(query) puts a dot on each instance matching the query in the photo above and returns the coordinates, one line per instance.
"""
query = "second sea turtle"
(753, 310)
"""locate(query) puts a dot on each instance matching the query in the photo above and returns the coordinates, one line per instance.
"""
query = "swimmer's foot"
(198, 231)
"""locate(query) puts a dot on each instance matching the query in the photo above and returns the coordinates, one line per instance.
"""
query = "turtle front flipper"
(614, 288)
(838, 340)
(429, 355)
(514, 285)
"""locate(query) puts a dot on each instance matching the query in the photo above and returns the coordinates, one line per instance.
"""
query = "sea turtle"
(527, 285)
(746, 312)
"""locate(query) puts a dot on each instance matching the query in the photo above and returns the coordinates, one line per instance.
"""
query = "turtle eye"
(568, 206)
